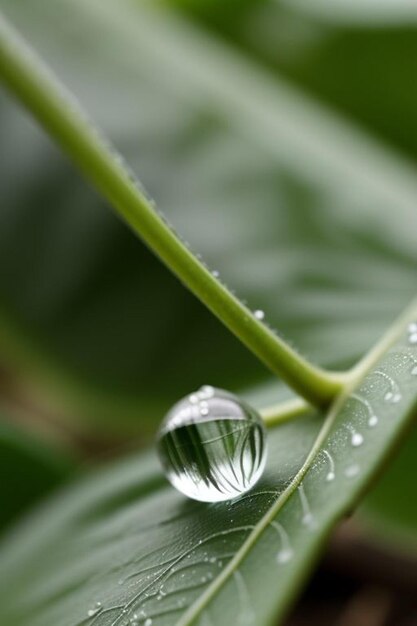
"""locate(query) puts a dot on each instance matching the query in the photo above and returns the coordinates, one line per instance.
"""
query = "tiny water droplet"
(414, 371)
(331, 475)
(148, 621)
(204, 409)
(215, 273)
(284, 556)
(352, 471)
(412, 328)
(206, 391)
(357, 440)
(392, 397)
(307, 517)
(373, 421)
(95, 610)
(259, 314)
(413, 338)
(214, 450)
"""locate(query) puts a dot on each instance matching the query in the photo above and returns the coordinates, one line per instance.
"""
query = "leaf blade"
(277, 529)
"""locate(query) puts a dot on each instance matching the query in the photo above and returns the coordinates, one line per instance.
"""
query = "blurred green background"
(279, 138)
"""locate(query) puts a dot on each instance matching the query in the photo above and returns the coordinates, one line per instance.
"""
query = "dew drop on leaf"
(94, 610)
(357, 440)
(212, 449)
(259, 314)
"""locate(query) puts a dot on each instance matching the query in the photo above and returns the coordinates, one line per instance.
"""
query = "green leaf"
(123, 543)
(360, 57)
(358, 11)
(29, 470)
(389, 511)
(257, 178)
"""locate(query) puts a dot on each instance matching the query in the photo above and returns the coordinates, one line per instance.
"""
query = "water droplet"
(414, 371)
(215, 273)
(413, 338)
(307, 518)
(357, 440)
(285, 553)
(352, 471)
(412, 328)
(392, 397)
(148, 621)
(214, 450)
(373, 421)
(95, 609)
(284, 556)
(331, 475)
(259, 314)
(204, 408)
(206, 391)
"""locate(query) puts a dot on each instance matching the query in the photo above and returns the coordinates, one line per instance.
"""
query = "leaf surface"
(124, 547)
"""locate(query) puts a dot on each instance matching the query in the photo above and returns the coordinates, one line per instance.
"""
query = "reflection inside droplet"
(213, 449)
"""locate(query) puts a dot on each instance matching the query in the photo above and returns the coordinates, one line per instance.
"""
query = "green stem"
(35, 86)
(285, 411)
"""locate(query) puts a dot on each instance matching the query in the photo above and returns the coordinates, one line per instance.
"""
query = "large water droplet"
(213, 449)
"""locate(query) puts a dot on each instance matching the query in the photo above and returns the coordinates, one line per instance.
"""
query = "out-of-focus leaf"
(29, 470)
(123, 547)
(390, 509)
(361, 57)
(300, 213)
(380, 12)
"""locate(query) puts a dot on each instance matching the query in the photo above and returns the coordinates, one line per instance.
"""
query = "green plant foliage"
(124, 547)
(253, 175)
(29, 470)
(308, 219)
(389, 510)
(358, 56)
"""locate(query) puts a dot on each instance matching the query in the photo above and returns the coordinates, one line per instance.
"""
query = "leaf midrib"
(357, 374)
